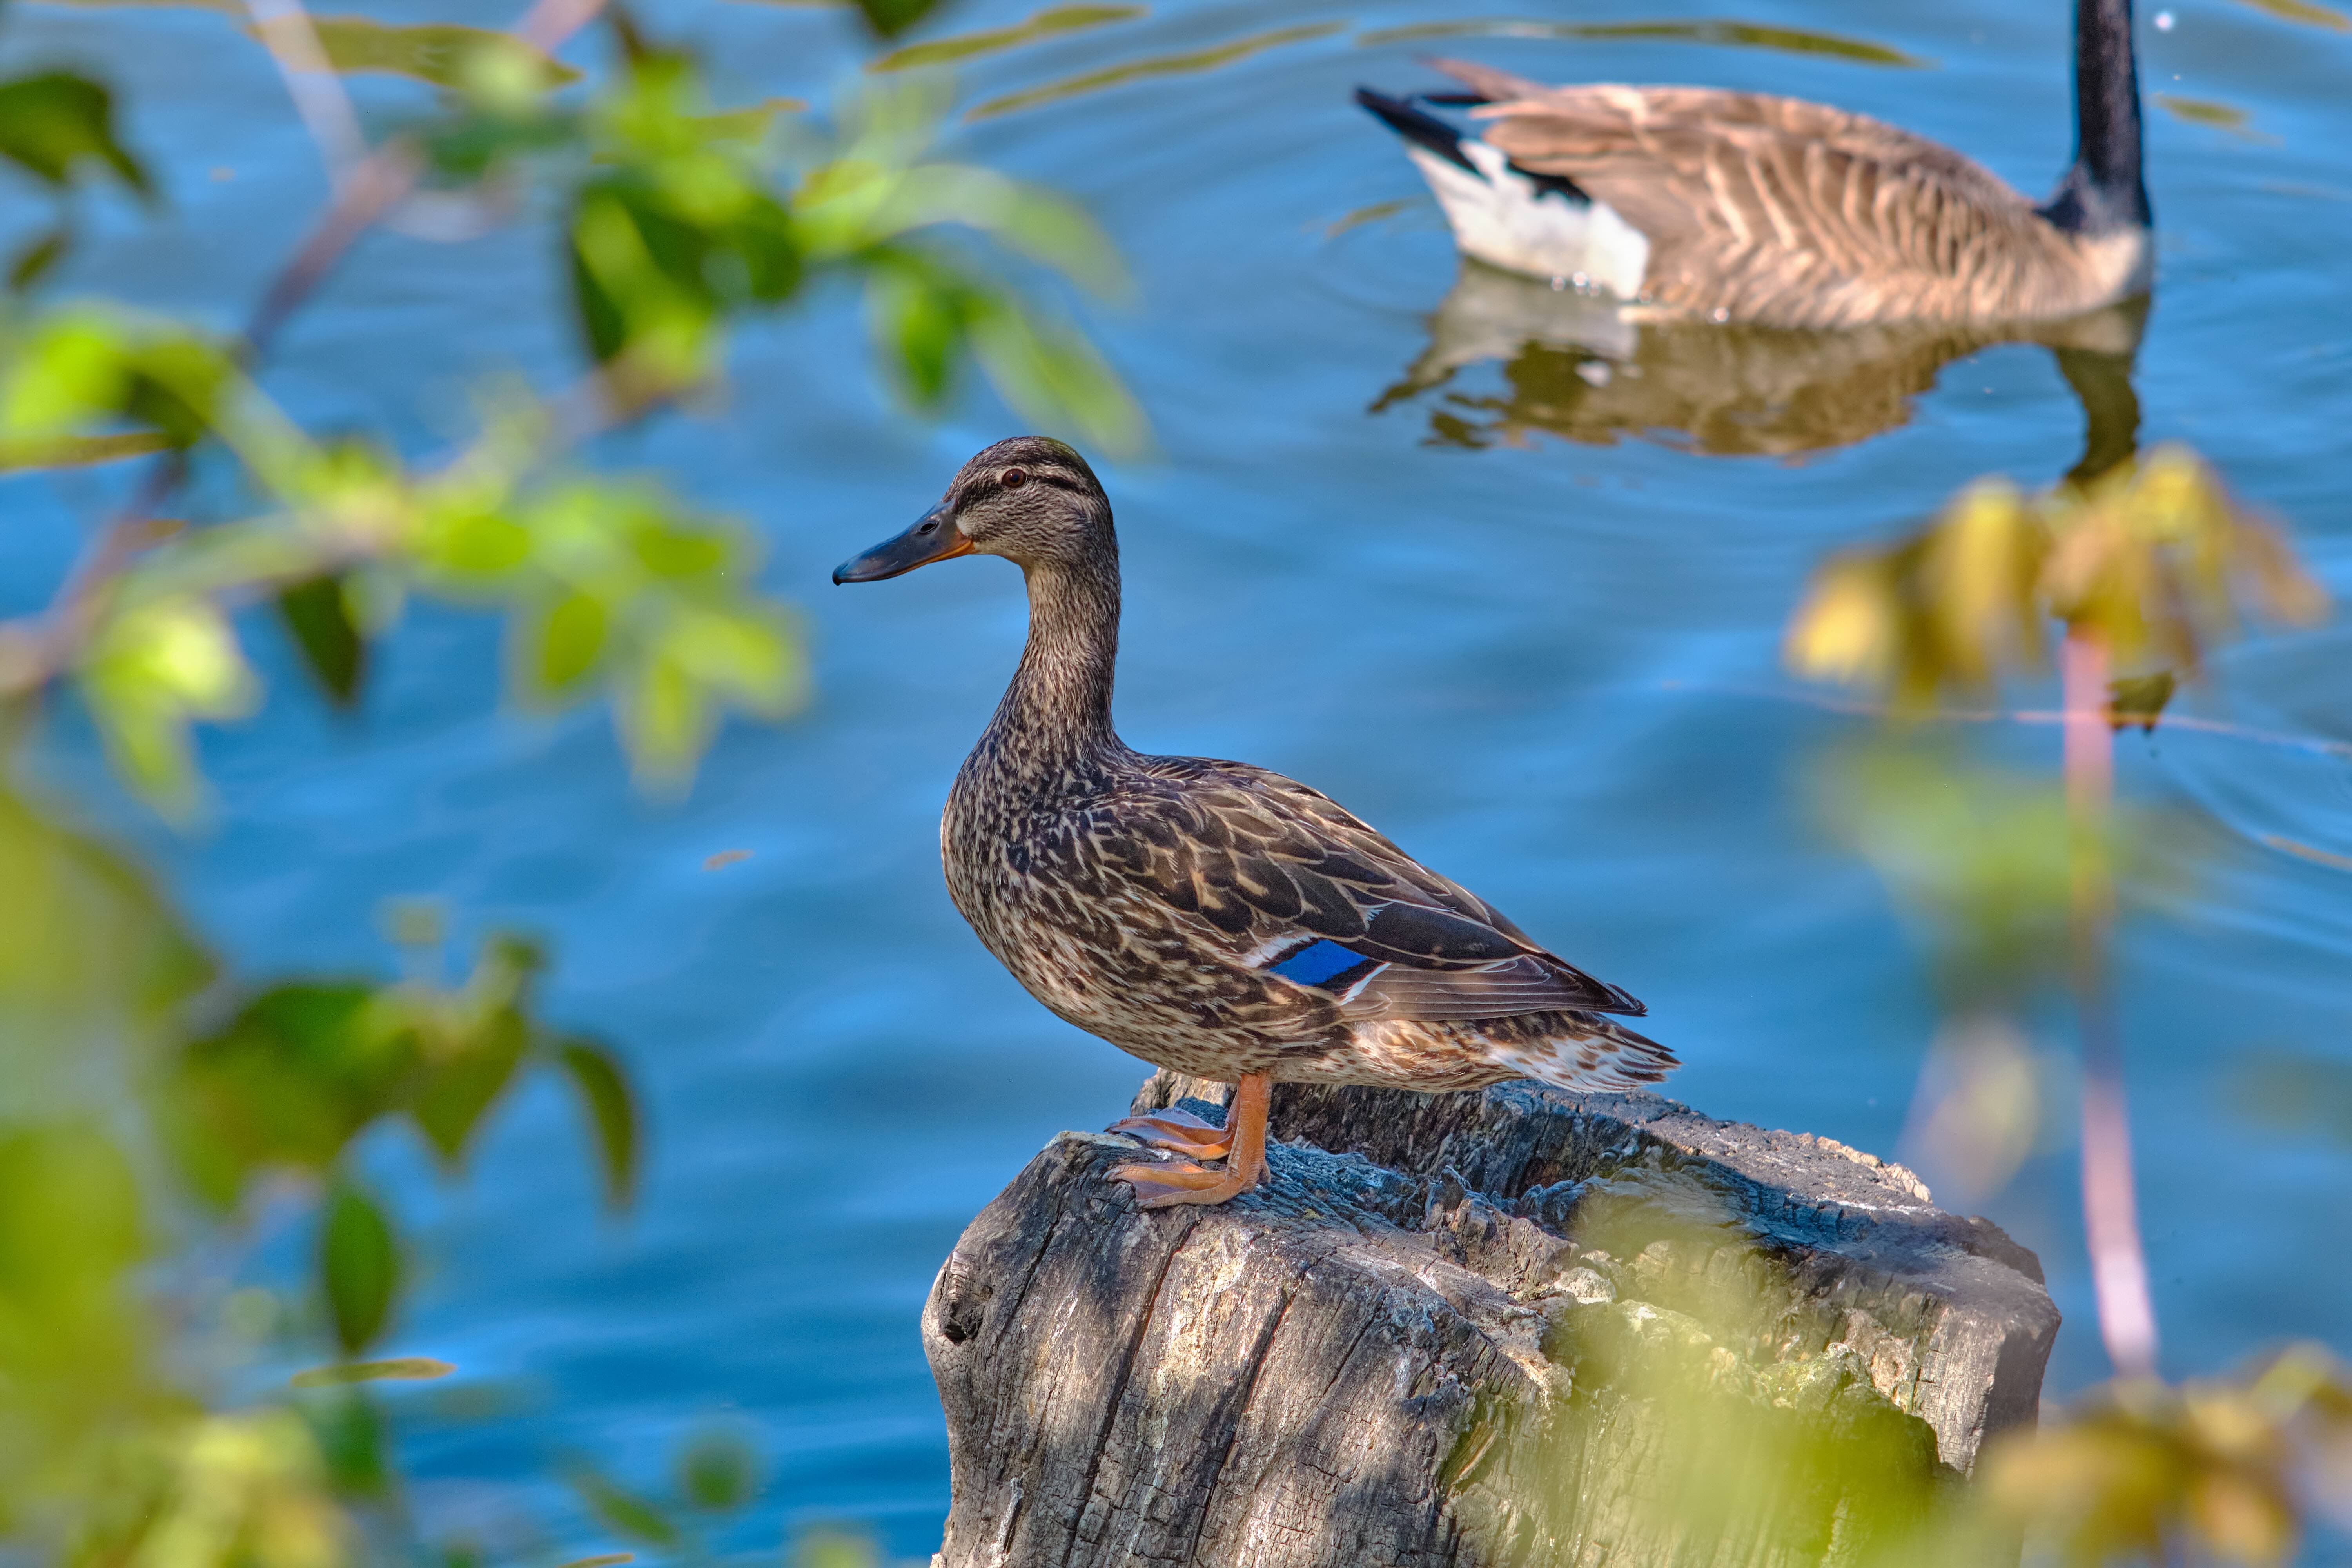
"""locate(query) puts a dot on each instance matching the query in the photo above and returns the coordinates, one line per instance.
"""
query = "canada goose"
(1744, 207)
(1213, 917)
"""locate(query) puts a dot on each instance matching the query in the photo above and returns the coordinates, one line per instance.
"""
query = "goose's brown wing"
(1302, 889)
(1778, 210)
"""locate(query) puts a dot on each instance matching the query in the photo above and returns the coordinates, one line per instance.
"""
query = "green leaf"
(70, 1219)
(889, 18)
(285, 1085)
(347, 1430)
(830, 1547)
(1052, 22)
(89, 953)
(79, 451)
(623, 1510)
(718, 1470)
(611, 1109)
(748, 655)
(1053, 375)
(476, 546)
(318, 618)
(460, 1088)
(359, 1264)
(680, 552)
(2139, 700)
(766, 248)
(665, 717)
(641, 278)
(436, 52)
(396, 1369)
(749, 124)
(53, 122)
(569, 643)
(603, 325)
(150, 670)
(33, 263)
(923, 323)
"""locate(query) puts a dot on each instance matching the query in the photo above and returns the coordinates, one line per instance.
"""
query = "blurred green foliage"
(1710, 1418)
(57, 126)
(2217, 1470)
(2154, 560)
(1713, 1408)
(158, 1118)
(2012, 880)
(1981, 860)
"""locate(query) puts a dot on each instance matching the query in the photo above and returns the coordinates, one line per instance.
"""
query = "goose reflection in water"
(1582, 367)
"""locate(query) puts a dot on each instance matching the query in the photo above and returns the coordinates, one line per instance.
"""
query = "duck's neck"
(1055, 716)
(2102, 192)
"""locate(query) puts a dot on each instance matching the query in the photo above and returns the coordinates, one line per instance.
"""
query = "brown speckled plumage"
(1145, 899)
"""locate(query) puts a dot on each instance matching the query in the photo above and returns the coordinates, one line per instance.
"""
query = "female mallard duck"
(1745, 207)
(1212, 917)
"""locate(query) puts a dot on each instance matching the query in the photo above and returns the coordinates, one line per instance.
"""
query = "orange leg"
(1243, 1144)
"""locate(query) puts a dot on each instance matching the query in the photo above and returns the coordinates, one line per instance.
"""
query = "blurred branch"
(2110, 1205)
(2143, 569)
(284, 30)
(378, 185)
(549, 23)
(34, 650)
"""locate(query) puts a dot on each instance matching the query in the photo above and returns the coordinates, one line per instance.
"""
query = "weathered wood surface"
(1410, 1347)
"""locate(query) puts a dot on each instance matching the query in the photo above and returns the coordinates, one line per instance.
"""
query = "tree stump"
(1515, 1326)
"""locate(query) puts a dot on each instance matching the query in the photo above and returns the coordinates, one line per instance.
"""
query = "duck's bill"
(934, 537)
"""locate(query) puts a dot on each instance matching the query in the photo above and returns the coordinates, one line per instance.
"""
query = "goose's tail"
(1418, 126)
(1519, 219)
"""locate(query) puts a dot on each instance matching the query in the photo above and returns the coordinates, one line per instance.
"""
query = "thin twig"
(373, 189)
(311, 81)
(549, 23)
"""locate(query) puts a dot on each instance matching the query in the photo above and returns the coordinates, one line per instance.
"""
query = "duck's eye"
(1014, 478)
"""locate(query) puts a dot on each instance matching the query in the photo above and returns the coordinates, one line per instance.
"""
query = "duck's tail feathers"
(1595, 1053)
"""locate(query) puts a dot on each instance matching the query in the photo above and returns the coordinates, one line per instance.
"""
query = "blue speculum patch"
(1318, 962)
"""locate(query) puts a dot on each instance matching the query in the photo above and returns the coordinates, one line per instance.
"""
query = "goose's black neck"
(2102, 192)
(1055, 716)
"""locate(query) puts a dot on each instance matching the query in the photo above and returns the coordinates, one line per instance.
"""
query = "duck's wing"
(1307, 892)
(1771, 206)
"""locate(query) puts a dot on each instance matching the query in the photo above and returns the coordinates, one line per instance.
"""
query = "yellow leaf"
(1978, 581)
(1845, 630)
(2241, 1520)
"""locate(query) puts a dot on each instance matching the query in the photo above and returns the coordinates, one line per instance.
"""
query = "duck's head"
(1030, 499)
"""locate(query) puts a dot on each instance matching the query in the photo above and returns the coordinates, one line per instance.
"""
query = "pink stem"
(2110, 1207)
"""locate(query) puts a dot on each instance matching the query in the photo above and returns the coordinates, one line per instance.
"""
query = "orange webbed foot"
(1179, 1131)
(1242, 1141)
(1181, 1181)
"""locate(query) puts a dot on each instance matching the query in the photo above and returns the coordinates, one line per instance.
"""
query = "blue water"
(1547, 665)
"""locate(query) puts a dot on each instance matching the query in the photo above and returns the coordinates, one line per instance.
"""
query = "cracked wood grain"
(1410, 1348)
